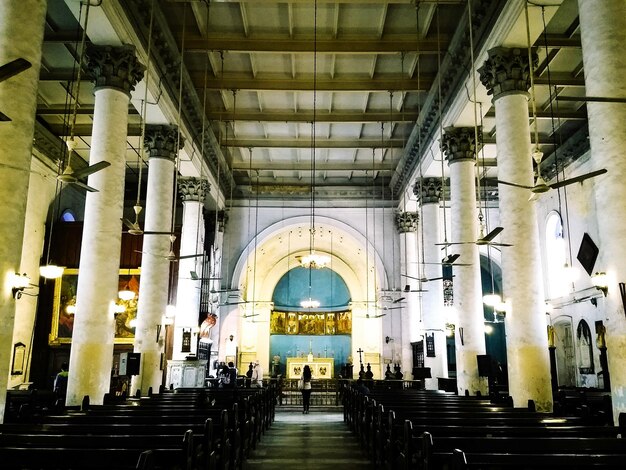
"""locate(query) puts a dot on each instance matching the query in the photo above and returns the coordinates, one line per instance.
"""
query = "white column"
(215, 284)
(433, 311)
(506, 76)
(406, 224)
(459, 145)
(116, 71)
(603, 34)
(161, 144)
(21, 36)
(192, 191)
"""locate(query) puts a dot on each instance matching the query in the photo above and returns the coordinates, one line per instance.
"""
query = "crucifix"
(360, 351)
(325, 351)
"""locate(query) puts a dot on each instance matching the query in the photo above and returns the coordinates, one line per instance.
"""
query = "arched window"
(68, 216)
(556, 256)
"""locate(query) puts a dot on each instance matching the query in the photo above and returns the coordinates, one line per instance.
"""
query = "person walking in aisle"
(305, 387)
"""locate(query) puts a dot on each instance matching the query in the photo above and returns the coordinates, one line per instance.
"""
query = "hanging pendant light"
(313, 260)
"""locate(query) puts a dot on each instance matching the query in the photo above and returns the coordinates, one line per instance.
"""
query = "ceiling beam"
(393, 82)
(282, 44)
(571, 114)
(83, 109)
(319, 166)
(306, 143)
(307, 116)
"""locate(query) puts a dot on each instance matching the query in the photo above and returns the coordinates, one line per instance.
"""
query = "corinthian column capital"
(458, 143)
(114, 67)
(428, 190)
(406, 221)
(161, 141)
(506, 71)
(193, 189)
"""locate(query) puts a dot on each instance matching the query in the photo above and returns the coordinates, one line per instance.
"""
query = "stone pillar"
(603, 35)
(215, 284)
(428, 193)
(192, 191)
(116, 71)
(459, 146)
(21, 36)
(406, 224)
(161, 145)
(505, 74)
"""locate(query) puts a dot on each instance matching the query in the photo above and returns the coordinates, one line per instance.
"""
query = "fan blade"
(4, 117)
(499, 244)
(195, 277)
(577, 179)
(515, 185)
(81, 173)
(82, 185)
(493, 234)
(450, 258)
(190, 256)
(13, 68)
(150, 232)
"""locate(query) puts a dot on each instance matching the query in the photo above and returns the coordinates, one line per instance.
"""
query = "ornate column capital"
(458, 144)
(192, 188)
(506, 71)
(406, 221)
(114, 67)
(429, 191)
(160, 141)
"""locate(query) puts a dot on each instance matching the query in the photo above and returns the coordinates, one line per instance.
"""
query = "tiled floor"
(319, 440)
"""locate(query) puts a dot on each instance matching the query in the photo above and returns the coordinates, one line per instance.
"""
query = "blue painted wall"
(327, 287)
(331, 291)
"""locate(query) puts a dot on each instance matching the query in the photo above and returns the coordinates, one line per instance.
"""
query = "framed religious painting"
(64, 307)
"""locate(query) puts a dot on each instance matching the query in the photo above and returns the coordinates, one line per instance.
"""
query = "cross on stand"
(360, 351)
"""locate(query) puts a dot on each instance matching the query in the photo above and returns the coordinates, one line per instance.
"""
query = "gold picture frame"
(65, 296)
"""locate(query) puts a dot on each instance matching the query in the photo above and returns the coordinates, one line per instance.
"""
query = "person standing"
(249, 374)
(257, 375)
(305, 387)
(60, 382)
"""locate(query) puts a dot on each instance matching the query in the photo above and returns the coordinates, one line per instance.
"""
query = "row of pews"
(183, 429)
(426, 429)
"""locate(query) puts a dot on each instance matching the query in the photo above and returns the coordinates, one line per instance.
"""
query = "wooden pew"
(438, 452)
(42, 451)
(499, 461)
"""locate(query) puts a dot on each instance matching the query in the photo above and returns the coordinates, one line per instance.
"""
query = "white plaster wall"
(578, 203)
(41, 191)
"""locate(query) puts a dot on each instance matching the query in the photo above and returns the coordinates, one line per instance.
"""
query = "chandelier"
(309, 303)
(313, 260)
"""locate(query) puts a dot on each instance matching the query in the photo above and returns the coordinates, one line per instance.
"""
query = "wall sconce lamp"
(388, 339)
(19, 283)
(600, 281)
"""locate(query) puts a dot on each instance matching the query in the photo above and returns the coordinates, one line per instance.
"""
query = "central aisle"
(319, 440)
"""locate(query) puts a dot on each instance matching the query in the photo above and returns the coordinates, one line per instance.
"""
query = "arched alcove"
(274, 252)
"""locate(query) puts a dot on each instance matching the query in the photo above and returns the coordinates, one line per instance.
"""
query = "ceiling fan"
(541, 186)
(135, 229)
(7, 71)
(171, 256)
(449, 261)
(195, 277)
(368, 316)
(71, 176)
(482, 239)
